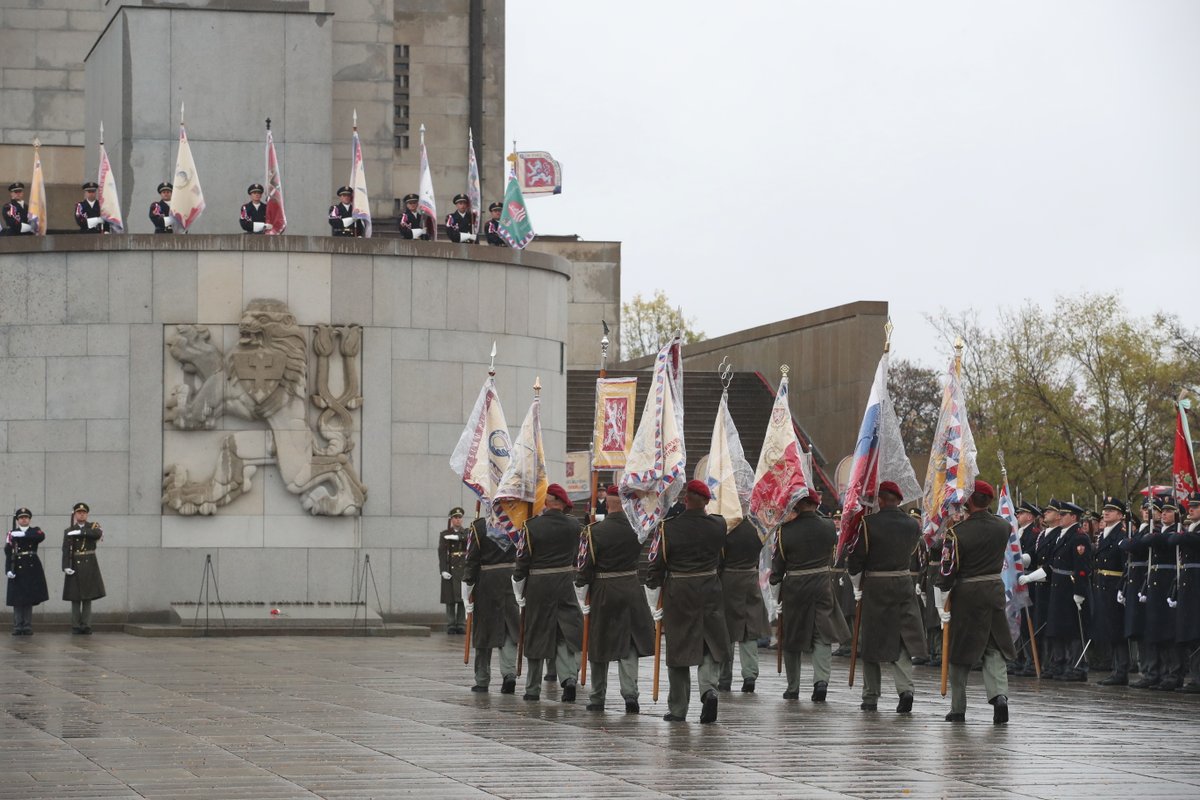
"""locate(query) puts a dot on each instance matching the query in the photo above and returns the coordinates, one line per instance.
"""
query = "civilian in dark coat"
(23, 568)
(82, 581)
(488, 594)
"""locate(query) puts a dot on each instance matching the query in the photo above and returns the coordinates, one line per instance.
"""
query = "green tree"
(647, 325)
(916, 397)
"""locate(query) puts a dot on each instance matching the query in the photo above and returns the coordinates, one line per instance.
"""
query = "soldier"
(1043, 549)
(341, 215)
(683, 572)
(745, 615)
(451, 546)
(803, 596)
(972, 557)
(1108, 617)
(1137, 553)
(1069, 569)
(1028, 515)
(892, 631)
(82, 581)
(546, 553)
(621, 628)
(493, 226)
(487, 584)
(1161, 668)
(253, 218)
(26, 579)
(1187, 588)
(412, 223)
(16, 212)
(460, 223)
(87, 211)
(160, 209)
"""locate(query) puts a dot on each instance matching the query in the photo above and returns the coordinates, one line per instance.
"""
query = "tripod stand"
(360, 591)
(209, 578)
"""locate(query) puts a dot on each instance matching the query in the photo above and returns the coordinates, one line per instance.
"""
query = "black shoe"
(16, 633)
(76, 630)
(1114, 680)
(595, 706)
(632, 707)
(1144, 683)
(509, 686)
(1000, 710)
(842, 651)
(1189, 688)
(864, 706)
(819, 690)
(479, 689)
(956, 717)
(709, 712)
(1168, 685)
(1074, 676)
(724, 686)
(671, 718)
(905, 705)
(551, 677)
(748, 685)
(533, 698)
(568, 692)
(790, 695)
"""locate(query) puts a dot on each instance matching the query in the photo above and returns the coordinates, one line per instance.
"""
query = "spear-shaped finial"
(537, 386)
(354, 119)
(101, 131)
(888, 327)
(180, 112)
(268, 123)
(492, 365)
(36, 143)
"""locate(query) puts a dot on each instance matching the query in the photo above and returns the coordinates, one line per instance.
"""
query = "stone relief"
(264, 378)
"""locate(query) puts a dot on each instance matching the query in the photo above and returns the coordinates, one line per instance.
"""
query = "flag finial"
(268, 123)
(1003, 469)
(101, 131)
(36, 143)
(725, 371)
(785, 369)
(537, 386)
(492, 365)
(888, 327)
(354, 119)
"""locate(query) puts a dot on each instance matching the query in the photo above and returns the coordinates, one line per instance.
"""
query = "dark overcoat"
(1042, 551)
(745, 613)
(451, 546)
(28, 588)
(1160, 581)
(1108, 616)
(973, 556)
(1137, 551)
(488, 570)
(1070, 571)
(1187, 586)
(546, 553)
(801, 562)
(79, 554)
(890, 614)
(620, 619)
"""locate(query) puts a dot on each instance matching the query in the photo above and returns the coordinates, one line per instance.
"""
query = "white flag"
(187, 201)
(427, 203)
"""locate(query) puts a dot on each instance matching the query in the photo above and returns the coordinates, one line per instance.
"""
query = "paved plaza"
(119, 716)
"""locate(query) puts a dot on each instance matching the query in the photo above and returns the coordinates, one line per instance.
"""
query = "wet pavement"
(118, 716)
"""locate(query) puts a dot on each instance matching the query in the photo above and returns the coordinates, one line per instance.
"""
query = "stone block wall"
(595, 297)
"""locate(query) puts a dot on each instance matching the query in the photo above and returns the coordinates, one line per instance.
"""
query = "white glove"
(418, 232)
(1025, 559)
(259, 227)
(1172, 603)
(1141, 597)
(10, 574)
(519, 591)
(856, 582)
(775, 589)
(94, 222)
(445, 576)
(1036, 576)
(168, 222)
(468, 603)
(652, 596)
(939, 600)
(18, 534)
(581, 593)
(1078, 598)
(347, 222)
(1120, 597)
(75, 532)
(466, 238)
(69, 571)
(26, 227)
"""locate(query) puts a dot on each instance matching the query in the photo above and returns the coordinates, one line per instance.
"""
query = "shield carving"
(259, 371)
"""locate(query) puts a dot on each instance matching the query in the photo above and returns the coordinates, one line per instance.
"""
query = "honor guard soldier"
(16, 212)
(341, 215)
(160, 210)
(23, 568)
(1137, 554)
(803, 596)
(460, 223)
(745, 613)
(1108, 615)
(1036, 572)
(620, 626)
(492, 229)
(1069, 569)
(414, 224)
(1187, 595)
(972, 556)
(82, 581)
(892, 631)
(683, 573)
(487, 594)
(253, 218)
(452, 544)
(87, 211)
(543, 582)
(1162, 667)
(1028, 517)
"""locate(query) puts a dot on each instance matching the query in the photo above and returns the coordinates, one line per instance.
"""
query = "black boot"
(748, 685)
(906, 701)
(819, 690)
(709, 711)
(999, 710)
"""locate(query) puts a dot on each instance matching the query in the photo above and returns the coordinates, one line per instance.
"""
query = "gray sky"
(764, 160)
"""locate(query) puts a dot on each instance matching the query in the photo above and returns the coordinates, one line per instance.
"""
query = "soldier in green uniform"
(451, 544)
(683, 568)
(745, 615)
(487, 594)
(82, 581)
(543, 583)
(972, 557)
(892, 631)
(621, 628)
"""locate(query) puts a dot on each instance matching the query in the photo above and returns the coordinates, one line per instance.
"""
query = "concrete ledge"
(189, 632)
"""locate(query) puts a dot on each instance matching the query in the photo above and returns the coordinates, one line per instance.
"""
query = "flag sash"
(612, 429)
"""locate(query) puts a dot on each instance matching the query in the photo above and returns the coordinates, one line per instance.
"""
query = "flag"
(613, 427)
(538, 173)
(521, 492)
(276, 216)
(1183, 466)
(1016, 596)
(361, 205)
(482, 454)
(577, 475)
(879, 456)
(729, 476)
(109, 201)
(37, 194)
(427, 204)
(187, 201)
(781, 478)
(474, 195)
(515, 225)
(951, 475)
(656, 466)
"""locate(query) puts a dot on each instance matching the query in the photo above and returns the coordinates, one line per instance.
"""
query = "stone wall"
(595, 296)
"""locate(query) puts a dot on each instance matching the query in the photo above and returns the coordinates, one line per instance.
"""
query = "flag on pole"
(106, 196)
(1183, 465)
(781, 477)
(612, 431)
(515, 225)
(951, 475)
(879, 456)
(427, 204)
(729, 476)
(521, 492)
(474, 195)
(276, 215)
(187, 201)
(1016, 596)
(538, 173)
(37, 193)
(656, 467)
(482, 454)
(361, 205)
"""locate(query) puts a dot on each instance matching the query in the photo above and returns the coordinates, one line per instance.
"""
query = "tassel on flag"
(1183, 465)
(106, 196)
(187, 201)
(276, 215)
(952, 470)
(521, 492)
(427, 202)
(361, 205)
(37, 193)
(474, 194)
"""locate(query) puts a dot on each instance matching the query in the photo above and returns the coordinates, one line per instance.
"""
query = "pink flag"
(780, 479)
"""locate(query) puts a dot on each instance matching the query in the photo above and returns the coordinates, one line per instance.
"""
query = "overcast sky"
(764, 160)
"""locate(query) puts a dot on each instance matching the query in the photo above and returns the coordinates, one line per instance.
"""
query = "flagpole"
(478, 505)
(595, 475)
(537, 393)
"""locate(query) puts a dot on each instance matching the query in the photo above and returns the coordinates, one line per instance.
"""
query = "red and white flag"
(781, 478)
(612, 430)
(538, 173)
(187, 201)
(427, 203)
(106, 196)
(276, 215)
(1183, 465)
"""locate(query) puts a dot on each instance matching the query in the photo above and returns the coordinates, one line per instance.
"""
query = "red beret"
(700, 488)
(554, 490)
(983, 487)
(891, 488)
(611, 491)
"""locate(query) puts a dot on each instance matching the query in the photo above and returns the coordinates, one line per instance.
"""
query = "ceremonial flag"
(276, 215)
(656, 467)
(106, 196)
(577, 475)
(37, 194)
(781, 478)
(1183, 466)
(538, 173)
(361, 204)
(521, 493)
(482, 454)
(427, 204)
(951, 475)
(474, 195)
(1016, 596)
(879, 456)
(187, 201)
(515, 225)
(729, 476)
(613, 428)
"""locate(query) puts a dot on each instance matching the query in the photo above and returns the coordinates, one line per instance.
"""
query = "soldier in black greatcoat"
(1108, 615)
(1036, 574)
(82, 581)
(15, 214)
(1028, 517)
(1162, 668)
(492, 229)
(452, 544)
(253, 217)
(412, 223)
(1187, 594)
(87, 211)
(1070, 569)
(23, 568)
(460, 223)
(160, 209)
(341, 215)
(487, 593)
(745, 614)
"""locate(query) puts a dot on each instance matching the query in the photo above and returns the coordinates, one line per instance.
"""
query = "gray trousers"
(566, 664)
(456, 616)
(627, 673)
(902, 673)
(22, 618)
(822, 664)
(679, 679)
(748, 654)
(995, 679)
(508, 661)
(81, 614)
